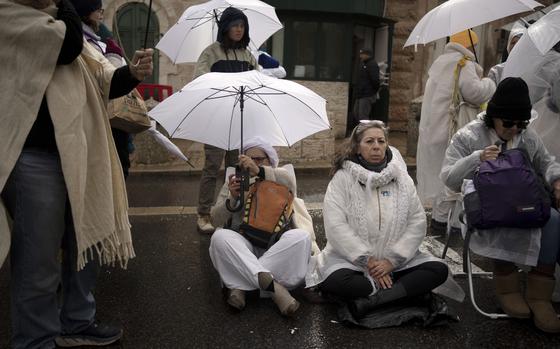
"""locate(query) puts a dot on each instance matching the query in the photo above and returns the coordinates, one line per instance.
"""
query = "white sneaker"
(204, 225)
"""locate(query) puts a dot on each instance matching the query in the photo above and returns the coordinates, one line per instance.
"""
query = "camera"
(243, 176)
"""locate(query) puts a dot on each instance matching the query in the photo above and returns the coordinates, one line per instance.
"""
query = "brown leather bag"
(268, 213)
(129, 113)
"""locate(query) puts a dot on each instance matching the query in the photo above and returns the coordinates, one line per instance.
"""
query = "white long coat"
(434, 121)
(352, 232)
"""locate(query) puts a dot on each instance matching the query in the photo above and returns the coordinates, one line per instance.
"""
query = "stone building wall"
(315, 149)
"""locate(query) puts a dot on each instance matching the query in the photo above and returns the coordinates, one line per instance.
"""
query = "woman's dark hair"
(488, 121)
(350, 147)
(230, 15)
(91, 23)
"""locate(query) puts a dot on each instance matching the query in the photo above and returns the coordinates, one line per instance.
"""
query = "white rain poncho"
(435, 118)
(462, 158)
(544, 89)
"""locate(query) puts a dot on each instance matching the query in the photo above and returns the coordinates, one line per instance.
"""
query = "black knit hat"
(230, 15)
(510, 101)
(85, 7)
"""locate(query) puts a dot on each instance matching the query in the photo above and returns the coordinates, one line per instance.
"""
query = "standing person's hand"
(142, 65)
(490, 153)
(248, 164)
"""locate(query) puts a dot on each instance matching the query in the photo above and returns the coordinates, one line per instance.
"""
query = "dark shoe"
(97, 334)
(360, 307)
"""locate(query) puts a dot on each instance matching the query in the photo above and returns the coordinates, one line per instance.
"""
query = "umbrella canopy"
(454, 16)
(208, 110)
(197, 28)
(527, 20)
(545, 32)
(537, 69)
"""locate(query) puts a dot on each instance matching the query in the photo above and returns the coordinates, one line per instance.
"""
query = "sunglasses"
(521, 124)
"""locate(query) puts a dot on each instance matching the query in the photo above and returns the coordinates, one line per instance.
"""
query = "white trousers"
(238, 262)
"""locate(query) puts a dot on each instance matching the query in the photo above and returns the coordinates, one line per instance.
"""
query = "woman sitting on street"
(374, 223)
(242, 265)
(505, 121)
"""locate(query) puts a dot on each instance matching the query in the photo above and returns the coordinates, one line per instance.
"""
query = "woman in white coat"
(436, 124)
(245, 267)
(374, 223)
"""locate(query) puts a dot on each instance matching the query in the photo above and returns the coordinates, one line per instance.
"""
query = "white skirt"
(238, 262)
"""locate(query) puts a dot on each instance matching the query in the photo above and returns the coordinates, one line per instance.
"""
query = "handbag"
(509, 193)
(129, 113)
(268, 213)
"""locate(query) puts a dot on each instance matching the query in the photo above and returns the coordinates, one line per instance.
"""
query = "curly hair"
(350, 147)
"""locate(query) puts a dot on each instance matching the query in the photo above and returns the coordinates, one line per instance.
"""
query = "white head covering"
(517, 31)
(258, 142)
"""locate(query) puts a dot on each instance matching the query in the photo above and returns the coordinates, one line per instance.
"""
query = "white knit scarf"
(380, 241)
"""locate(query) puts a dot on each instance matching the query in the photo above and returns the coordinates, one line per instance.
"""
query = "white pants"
(238, 262)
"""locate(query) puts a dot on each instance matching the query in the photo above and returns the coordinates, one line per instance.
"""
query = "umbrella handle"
(238, 204)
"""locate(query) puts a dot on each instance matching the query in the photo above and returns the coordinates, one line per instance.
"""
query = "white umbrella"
(167, 144)
(221, 109)
(454, 16)
(197, 28)
(545, 32)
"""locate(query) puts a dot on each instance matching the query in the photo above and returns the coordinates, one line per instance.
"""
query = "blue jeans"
(550, 240)
(36, 198)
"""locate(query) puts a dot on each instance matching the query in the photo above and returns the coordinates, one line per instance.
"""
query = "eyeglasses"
(521, 124)
(100, 11)
(259, 158)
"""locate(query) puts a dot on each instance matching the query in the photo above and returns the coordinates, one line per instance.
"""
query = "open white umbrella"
(545, 32)
(222, 109)
(454, 16)
(197, 28)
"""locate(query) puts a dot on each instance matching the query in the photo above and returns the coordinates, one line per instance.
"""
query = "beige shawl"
(77, 95)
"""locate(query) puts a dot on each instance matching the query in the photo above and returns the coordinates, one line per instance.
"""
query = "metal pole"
(148, 24)
(241, 105)
(472, 44)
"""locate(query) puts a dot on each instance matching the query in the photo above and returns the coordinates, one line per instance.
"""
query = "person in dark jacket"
(229, 54)
(366, 87)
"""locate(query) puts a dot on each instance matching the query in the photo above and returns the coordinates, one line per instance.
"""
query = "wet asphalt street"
(170, 295)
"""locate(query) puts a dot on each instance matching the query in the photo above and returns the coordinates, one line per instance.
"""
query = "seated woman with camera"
(243, 262)
(502, 127)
